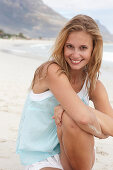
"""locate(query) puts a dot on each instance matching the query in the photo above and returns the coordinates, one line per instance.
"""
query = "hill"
(34, 19)
(107, 36)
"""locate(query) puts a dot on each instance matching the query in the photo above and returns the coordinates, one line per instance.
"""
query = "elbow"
(88, 119)
(85, 120)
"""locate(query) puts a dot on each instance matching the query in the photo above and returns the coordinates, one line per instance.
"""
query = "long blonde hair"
(88, 25)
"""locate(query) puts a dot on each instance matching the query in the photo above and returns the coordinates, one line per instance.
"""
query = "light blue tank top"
(37, 137)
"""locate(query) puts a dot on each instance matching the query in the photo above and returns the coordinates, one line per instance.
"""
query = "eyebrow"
(68, 43)
(73, 45)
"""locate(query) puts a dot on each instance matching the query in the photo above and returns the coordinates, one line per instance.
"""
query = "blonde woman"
(65, 84)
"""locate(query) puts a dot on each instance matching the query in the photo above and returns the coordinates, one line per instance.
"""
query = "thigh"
(78, 145)
(63, 158)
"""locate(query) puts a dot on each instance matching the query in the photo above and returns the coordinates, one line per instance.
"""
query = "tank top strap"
(83, 94)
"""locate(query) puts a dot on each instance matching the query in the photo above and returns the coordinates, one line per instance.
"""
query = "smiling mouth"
(75, 61)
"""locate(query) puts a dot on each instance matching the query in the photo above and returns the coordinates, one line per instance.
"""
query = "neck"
(77, 76)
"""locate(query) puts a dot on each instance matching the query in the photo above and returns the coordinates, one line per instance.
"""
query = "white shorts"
(53, 162)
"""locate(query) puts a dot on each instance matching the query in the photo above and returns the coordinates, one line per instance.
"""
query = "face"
(78, 49)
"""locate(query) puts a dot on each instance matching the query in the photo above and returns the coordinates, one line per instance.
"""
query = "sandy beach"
(16, 74)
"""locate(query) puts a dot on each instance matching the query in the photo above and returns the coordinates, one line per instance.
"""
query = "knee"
(68, 124)
(71, 131)
(69, 127)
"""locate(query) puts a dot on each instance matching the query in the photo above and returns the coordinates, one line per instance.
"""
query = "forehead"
(79, 37)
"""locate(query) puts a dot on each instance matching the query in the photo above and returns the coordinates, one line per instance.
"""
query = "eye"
(83, 47)
(69, 46)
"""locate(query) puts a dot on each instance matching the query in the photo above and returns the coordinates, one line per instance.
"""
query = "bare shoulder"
(99, 92)
(59, 83)
(49, 76)
(55, 73)
(100, 98)
(53, 68)
(40, 78)
(99, 89)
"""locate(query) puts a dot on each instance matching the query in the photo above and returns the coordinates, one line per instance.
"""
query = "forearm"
(92, 126)
(93, 129)
(105, 121)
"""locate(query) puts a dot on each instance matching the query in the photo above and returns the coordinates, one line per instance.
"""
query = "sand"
(16, 74)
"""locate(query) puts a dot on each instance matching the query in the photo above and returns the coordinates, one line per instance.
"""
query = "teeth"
(75, 61)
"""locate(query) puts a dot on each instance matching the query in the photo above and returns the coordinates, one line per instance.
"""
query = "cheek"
(66, 53)
(88, 55)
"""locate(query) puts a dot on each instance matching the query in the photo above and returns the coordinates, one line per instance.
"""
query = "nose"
(76, 53)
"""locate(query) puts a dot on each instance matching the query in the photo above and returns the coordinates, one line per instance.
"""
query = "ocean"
(41, 50)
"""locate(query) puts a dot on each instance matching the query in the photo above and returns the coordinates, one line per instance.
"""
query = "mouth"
(75, 61)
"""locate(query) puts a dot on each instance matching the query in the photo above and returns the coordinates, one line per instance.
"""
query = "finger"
(57, 121)
(59, 125)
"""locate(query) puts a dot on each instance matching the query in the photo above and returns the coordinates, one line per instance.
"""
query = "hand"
(58, 112)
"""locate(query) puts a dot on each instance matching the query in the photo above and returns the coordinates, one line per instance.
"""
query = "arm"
(58, 113)
(105, 121)
(103, 109)
(72, 104)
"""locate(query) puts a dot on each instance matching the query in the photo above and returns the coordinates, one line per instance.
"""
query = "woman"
(71, 80)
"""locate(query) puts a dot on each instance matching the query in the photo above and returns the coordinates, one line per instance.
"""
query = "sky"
(97, 9)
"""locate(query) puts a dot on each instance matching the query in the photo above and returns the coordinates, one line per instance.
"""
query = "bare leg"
(63, 158)
(78, 145)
